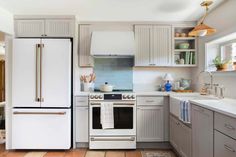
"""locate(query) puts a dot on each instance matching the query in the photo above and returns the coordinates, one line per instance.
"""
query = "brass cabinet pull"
(228, 126)
(41, 60)
(42, 113)
(229, 148)
(37, 98)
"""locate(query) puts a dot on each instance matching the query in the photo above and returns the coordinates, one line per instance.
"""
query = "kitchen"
(123, 84)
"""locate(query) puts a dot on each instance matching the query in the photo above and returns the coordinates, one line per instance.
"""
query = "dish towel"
(107, 115)
(185, 109)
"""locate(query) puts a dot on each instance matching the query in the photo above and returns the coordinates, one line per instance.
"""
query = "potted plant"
(221, 65)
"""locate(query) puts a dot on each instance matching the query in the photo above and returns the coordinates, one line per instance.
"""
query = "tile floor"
(71, 153)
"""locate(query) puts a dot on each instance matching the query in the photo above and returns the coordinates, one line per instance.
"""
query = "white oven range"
(123, 135)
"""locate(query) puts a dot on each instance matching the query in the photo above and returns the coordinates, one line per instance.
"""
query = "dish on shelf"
(184, 45)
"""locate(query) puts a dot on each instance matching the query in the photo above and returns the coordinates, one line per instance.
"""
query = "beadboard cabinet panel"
(180, 137)
(153, 45)
(161, 46)
(82, 127)
(59, 28)
(143, 45)
(85, 33)
(29, 28)
(202, 132)
(150, 124)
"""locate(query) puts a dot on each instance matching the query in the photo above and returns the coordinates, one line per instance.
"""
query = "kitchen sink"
(175, 102)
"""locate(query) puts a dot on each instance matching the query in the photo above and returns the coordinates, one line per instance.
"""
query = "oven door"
(124, 120)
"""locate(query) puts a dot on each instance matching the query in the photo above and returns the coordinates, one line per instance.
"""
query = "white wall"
(6, 21)
(148, 79)
(223, 19)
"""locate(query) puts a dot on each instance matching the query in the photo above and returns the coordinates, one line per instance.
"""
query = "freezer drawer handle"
(43, 113)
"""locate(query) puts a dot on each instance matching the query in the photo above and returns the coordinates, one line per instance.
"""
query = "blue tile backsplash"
(115, 71)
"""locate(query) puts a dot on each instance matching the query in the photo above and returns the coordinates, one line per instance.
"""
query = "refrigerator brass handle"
(41, 60)
(37, 99)
(40, 113)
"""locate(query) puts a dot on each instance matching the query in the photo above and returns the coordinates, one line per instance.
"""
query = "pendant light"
(202, 29)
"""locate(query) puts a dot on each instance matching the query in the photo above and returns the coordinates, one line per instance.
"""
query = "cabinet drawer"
(224, 145)
(150, 101)
(81, 101)
(225, 124)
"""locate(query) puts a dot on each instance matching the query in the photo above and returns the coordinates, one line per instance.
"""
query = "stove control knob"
(124, 96)
(96, 96)
(129, 96)
(91, 96)
(133, 97)
(100, 97)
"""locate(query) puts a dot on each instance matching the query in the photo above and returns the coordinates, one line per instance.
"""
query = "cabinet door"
(56, 73)
(224, 146)
(174, 133)
(85, 33)
(161, 46)
(150, 124)
(142, 44)
(185, 141)
(81, 121)
(59, 28)
(29, 28)
(24, 93)
(202, 132)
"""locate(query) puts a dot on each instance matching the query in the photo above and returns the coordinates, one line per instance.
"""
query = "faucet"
(211, 76)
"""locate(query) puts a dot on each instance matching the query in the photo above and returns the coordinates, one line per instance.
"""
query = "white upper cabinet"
(85, 33)
(44, 27)
(153, 45)
(59, 28)
(142, 43)
(161, 46)
(29, 28)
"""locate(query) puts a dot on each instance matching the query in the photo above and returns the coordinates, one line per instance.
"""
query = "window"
(228, 52)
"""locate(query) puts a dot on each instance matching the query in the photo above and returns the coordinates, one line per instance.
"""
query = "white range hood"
(112, 44)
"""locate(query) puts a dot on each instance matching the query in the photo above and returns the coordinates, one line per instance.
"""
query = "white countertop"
(225, 106)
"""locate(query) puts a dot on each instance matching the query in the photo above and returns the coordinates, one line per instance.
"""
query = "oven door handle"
(112, 139)
(115, 104)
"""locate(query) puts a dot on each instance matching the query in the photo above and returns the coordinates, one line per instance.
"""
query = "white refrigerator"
(41, 93)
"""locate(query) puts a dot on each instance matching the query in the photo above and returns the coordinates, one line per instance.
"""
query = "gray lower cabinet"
(150, 124)
(224, 146)
(82, 124)
(81, 119)
(202, 132)
(180, 137)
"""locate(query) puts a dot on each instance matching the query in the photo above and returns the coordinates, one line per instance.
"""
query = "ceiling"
(112, 10)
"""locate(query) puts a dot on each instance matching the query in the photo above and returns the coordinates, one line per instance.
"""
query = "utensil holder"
(88, 87)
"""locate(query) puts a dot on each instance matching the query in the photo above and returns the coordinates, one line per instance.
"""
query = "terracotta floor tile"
(55, 154)
(95, 153)
(35, 154)
(115, 154)
(133, 153)
(14, 154)
(76, 153)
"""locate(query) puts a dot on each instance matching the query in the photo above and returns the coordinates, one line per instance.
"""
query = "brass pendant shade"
(202, 29)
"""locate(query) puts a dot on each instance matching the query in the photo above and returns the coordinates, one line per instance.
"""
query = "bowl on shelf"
(184, 46)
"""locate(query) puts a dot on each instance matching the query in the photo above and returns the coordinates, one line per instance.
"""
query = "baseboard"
(82, 145)
(154, 145)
